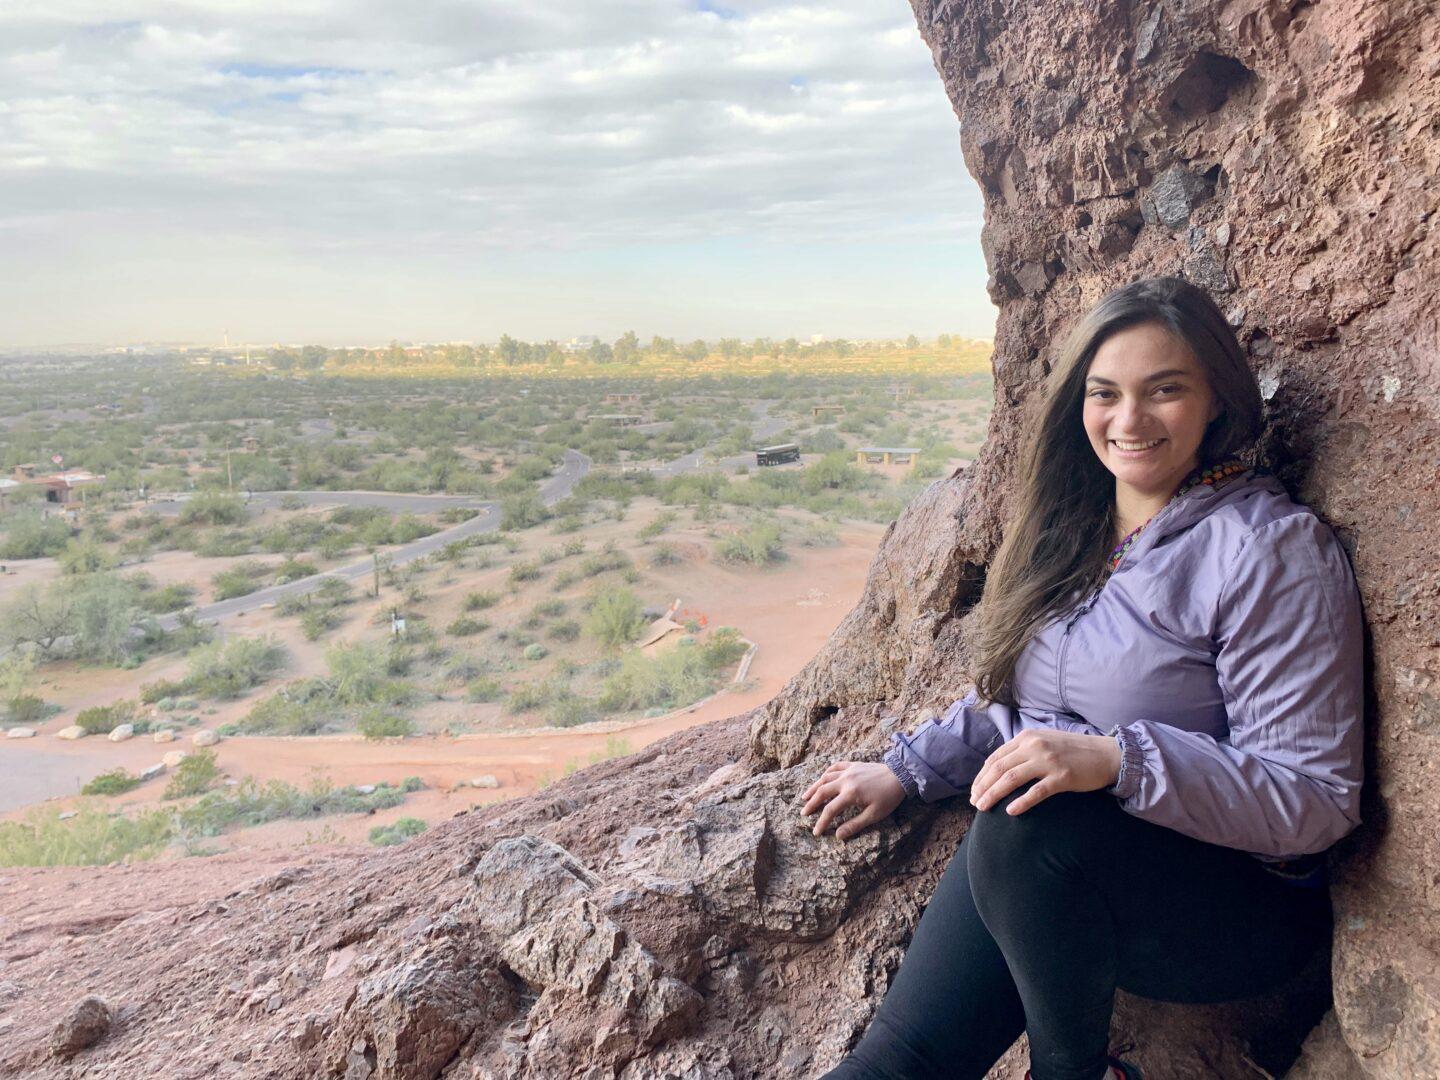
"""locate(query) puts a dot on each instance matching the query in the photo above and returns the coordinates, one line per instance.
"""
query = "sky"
(356, 171)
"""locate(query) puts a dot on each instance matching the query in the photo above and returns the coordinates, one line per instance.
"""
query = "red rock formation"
(668, 915)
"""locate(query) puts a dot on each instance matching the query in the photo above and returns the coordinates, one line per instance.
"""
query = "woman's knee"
(1005, 843)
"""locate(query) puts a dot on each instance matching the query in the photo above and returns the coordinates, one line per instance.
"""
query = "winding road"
(557, 487)
(574, 466)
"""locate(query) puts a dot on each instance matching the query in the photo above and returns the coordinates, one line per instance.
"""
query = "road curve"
(557, 487)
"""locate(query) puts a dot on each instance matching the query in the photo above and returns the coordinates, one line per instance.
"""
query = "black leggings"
(1041, 915)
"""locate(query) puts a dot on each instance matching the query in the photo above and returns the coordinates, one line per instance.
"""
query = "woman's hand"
(1055, 760)
(869, 786)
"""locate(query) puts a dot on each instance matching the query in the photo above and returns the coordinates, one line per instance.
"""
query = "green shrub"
(479, 601)
(193, 775)
(526, 697)
(536, 651)
(524, 571)
(671, 679)
(758, 545)
(213, 509)
(380, 724)
(316, 622)
(227, 669)
(615, 616)
(466, 626)
(411, 784)
(167, 598)
(26, 709)
(32, 535)
(114, 782)
(240, 580)
(295, 569)
(161, 692)
(92, 838)
(548, 609)
(397, 832)
(103, 719)
(567, 630)
(665, 555)
(568, 710)
(482, 690)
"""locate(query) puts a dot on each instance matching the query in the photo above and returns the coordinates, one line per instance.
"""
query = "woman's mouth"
(1133, 449)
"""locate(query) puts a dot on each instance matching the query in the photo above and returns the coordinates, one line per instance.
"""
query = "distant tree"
(600, 353)
(729, 348)
(943, 341)
(616, 616)
(38, 616)
(912, 342)
(790, 346)
(663, 346)
(627, 348)
(312, 357)
(522, 510)
(697, 350)
(509, 350)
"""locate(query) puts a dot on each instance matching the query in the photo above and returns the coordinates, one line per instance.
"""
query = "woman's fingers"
(1007, 782)
(1039, 791)
(842, 800)
(858, 823)
(996, 765)
(835, 767)
(823, 794)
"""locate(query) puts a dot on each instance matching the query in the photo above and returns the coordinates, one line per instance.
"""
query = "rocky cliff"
(668, 915)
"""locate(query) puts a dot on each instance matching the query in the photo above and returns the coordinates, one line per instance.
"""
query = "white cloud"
(468, 128)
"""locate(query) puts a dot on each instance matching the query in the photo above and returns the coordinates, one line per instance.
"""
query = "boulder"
(74, 731)
(151, 772)
(19, 732)
(204, 737)
(173, 758)
(164, 735)
(122, 733)
(486, 781)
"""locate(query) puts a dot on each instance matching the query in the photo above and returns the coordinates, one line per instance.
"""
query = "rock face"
(667, 914)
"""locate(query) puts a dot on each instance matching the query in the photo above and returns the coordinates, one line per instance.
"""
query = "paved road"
(552, 491)
(763, 428)
(386, 500)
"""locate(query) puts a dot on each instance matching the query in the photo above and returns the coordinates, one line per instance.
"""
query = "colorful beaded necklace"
(1216, 476)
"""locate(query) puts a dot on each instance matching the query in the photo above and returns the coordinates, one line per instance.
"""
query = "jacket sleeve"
(1286, 780)
(943, 756)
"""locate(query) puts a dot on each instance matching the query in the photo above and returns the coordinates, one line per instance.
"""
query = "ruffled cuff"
(1132, 760)
(894, 758)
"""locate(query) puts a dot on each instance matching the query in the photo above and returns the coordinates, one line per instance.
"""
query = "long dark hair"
(1056, 544)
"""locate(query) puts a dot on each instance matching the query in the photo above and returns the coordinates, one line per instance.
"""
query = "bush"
(92, 838)
(548, 609)
(482, 690)
(213, 509)
(671, 679)
(396, 833)
(316, 622)
(759, 545)
(568, 630)
(32, 535)
(167, 598)
(26, 709)
(103, 719)
(524, 571)
(466, 626)
(568, 710)
(411, 784)
(522, 510)
(526, 697)
(479, 601)
(250, 804)
(240, 580)
(379, 724)
(193, 775)
(665, 555)
(294, 570)
(114, 782)
(161, 690)
(615, 616)
(226, 670)
(536, 651)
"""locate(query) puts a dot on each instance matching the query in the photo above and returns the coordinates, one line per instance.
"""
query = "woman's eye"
(1167, 389)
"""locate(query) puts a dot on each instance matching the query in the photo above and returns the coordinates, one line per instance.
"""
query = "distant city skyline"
(343, 171)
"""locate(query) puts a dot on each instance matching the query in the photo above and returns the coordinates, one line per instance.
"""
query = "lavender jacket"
(1225, 655)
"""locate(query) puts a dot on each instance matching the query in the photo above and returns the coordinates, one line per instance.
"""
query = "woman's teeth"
(1137, 445)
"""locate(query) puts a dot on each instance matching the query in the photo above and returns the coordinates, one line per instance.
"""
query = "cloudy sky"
(355, 170)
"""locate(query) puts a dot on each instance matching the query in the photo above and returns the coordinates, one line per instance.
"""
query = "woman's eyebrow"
(1168, 373)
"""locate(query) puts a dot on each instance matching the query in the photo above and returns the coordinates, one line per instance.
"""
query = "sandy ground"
(788, 611)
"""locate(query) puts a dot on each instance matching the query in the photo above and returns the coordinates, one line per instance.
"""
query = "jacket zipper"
(1065, 644)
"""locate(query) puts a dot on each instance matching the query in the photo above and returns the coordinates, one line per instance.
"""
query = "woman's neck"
(1134, 508)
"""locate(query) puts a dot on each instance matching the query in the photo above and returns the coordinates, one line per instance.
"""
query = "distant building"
(622, 399)
(61, 488)
(887, 455)
(820, 412)
(618, 419)
(249, 443)
(580, 343)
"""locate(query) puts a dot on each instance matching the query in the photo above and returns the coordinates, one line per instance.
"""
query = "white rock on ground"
(164, 736)
(122, 732)
(173, 758)
(205, 738)
(153, 771)
(366, 789)
(74, 731)
(486, 781)
(20, 733)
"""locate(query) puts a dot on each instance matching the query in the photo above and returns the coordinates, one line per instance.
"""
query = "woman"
(1165, 730)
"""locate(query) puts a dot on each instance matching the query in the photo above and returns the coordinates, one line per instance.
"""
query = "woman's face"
(1147, 402)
